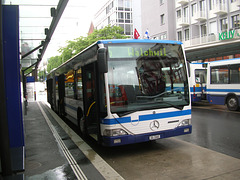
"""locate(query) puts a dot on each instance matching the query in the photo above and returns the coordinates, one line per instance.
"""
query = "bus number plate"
(154, 137)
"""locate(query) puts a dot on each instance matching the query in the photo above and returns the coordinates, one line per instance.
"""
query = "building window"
(122, 26)
(163, 36)
(186, 34)
(179, 14)
(128, 30)
(162, 19)
(235, 22)
(120, 17)
(161, 2)
(185, 12)
(202, 5)
(211, 4)
(213, 28)
(194, 9)
(203, 30)
(179, 35)
(224, 24)
(128, 5)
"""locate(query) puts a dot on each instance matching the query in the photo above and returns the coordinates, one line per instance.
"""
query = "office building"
(116, 13)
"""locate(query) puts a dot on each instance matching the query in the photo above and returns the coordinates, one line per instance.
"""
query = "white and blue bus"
(223, 84)
(124, 91)
(197, 81)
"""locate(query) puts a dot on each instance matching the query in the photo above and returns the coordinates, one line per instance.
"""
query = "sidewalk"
(55, 153)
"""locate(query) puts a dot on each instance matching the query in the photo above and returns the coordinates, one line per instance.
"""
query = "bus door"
(50, 92)
(90, 97)
(61, 94)
(200, 80)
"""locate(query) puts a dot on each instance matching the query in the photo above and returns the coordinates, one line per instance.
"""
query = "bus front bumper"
(131, 139)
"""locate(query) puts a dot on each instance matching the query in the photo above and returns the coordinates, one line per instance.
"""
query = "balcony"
(182, 2)
(201, 40)
(220, 9)
(201, 16)
(184, 21)
(238, 3)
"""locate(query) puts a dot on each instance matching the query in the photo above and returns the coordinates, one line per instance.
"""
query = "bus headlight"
(184, 122)
(114, 132)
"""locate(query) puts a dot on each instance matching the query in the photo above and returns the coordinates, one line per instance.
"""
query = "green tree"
(42, 75)
(75, 46)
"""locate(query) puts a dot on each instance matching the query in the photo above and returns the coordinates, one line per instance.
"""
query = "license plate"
(154, 137)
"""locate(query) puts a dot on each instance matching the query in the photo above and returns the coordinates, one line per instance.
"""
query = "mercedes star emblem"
(154, 125)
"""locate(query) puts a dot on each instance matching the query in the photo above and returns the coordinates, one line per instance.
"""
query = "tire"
(232, 103)
(81, 123)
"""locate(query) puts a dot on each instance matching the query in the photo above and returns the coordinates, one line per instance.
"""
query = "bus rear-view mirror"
(102, 60)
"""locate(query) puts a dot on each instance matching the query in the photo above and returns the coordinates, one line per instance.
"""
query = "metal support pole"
(30, 52)
(4, 134)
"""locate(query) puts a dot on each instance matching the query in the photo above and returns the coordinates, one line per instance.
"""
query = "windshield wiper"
(158, 95)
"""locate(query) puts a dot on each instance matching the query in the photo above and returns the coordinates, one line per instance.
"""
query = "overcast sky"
(75, 22)
(35, 17)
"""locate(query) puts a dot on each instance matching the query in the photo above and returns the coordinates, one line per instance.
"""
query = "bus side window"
(69, 84)
(79, 87)
(235, 74)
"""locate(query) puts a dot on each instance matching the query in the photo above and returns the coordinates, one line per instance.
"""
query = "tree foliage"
(75, 46)
(42, 75)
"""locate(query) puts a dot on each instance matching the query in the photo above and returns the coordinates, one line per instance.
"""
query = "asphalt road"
(215, 128)
(210, 152)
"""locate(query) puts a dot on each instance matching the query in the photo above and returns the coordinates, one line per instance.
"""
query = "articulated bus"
(223, 83)
(124, 91)
(197, 81)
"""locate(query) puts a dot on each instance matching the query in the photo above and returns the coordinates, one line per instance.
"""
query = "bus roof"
(225, 61)
(115, 41)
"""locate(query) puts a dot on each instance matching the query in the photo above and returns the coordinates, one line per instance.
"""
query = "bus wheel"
(81, 123)
(232, 103)
(82, 126)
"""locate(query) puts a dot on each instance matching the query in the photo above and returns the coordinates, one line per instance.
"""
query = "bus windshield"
(146, 76)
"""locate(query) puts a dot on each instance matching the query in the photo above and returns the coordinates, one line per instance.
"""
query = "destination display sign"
(135, 52)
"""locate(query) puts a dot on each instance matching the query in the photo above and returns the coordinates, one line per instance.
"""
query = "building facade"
(116, 13)
(158, 18)
(206, 21)
(197, 23)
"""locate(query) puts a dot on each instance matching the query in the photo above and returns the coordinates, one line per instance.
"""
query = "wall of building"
(158, 18)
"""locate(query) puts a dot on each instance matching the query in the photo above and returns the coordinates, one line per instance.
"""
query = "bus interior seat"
(130, 92)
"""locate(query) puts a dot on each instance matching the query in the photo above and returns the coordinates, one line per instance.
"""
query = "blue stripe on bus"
(137, 41)
(223, 90)
(175, 88)
(195, 98)
(197, 89)
(147, 117)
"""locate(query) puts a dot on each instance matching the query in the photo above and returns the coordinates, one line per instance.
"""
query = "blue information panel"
(11, 61)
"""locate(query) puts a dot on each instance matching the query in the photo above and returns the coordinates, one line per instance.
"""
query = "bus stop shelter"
(15, 30)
